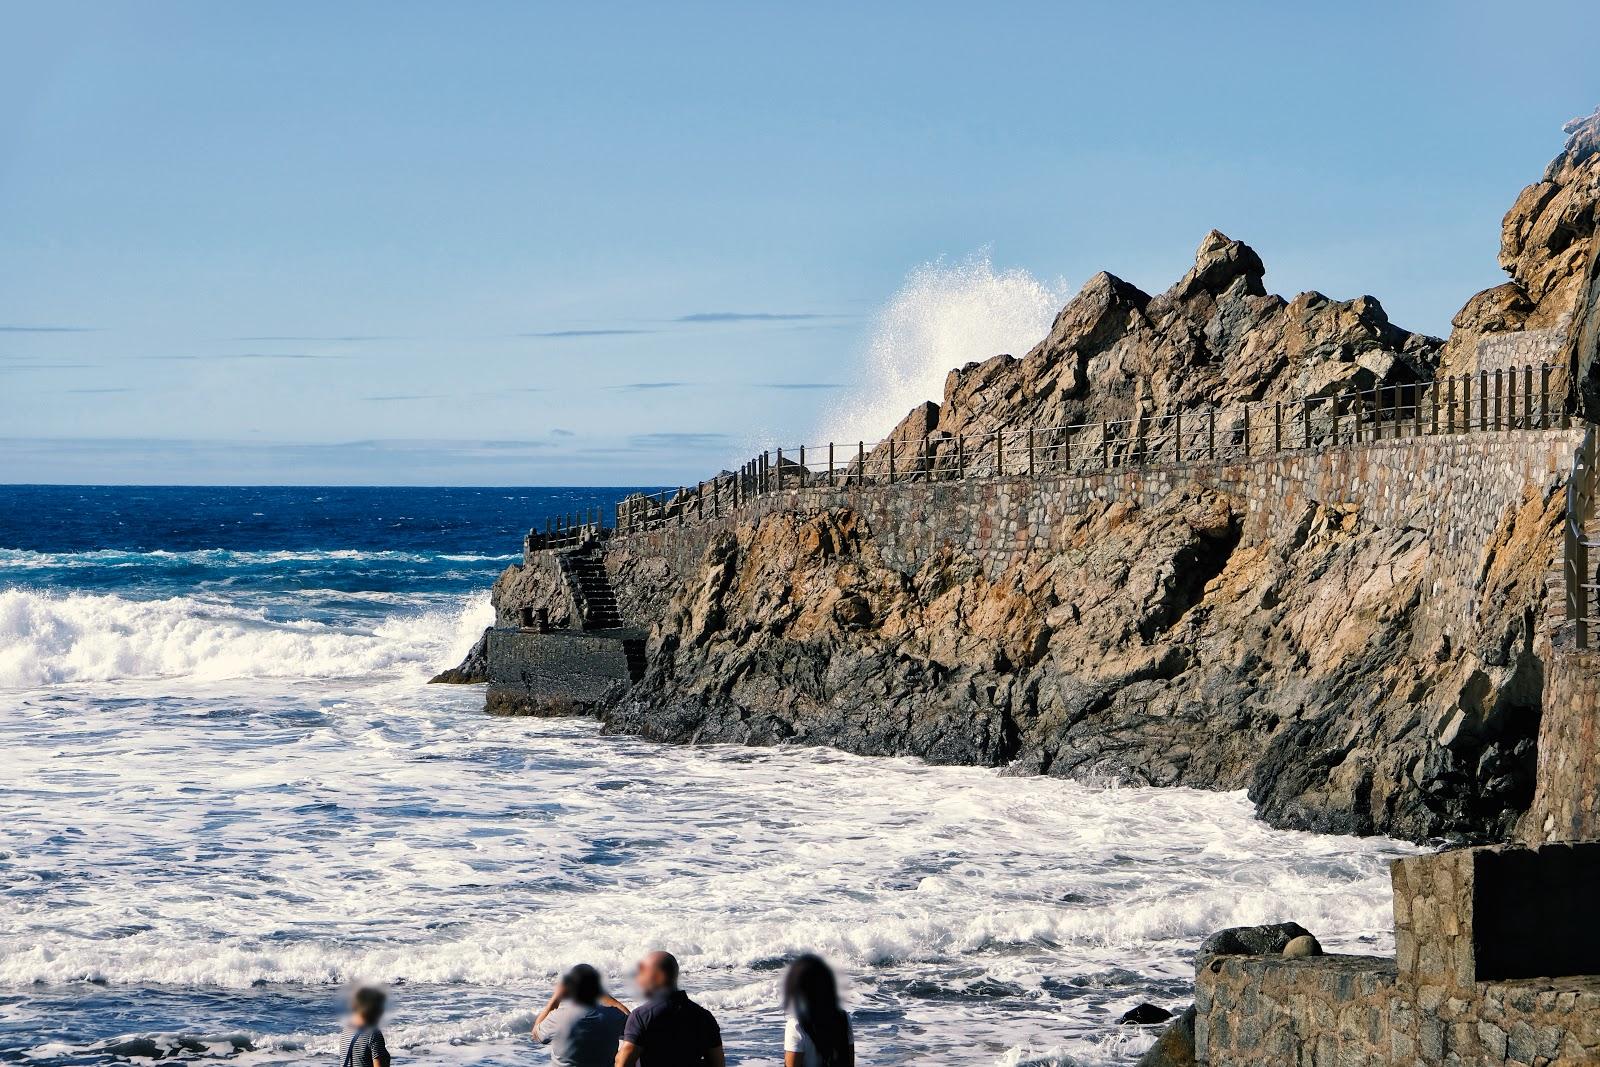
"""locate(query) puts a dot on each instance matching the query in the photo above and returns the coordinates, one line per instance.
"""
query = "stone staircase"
(597, 601)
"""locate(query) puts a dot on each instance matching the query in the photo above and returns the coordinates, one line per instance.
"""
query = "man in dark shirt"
(669, 1029)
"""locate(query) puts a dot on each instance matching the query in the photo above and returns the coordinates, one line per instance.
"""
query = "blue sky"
(488, 243)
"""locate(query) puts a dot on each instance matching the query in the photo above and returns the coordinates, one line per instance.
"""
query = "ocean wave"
(22, 559)
(50, 638)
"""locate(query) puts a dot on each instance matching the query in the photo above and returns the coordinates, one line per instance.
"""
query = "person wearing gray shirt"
(581, 1022)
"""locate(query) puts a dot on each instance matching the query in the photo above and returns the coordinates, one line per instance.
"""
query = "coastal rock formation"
(1547, 247)
(472, 670)
(1158, 649)
(1217, 338)
(1154, 640)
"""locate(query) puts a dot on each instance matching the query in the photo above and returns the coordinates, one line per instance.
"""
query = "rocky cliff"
(1159, 642)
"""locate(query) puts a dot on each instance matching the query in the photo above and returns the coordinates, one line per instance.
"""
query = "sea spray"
(944, 315)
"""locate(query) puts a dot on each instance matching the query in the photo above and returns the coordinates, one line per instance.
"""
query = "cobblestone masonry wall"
(1566, 802)
(1513, 351)
(1424, 1007)
(1456, 488)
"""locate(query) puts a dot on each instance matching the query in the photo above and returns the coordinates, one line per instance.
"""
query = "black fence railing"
(1527, 397)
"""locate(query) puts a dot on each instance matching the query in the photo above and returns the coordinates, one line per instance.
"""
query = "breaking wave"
(49, 638)
(944, 315)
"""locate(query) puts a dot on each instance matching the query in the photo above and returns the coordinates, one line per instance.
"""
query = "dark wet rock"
(1145, 1015)
(472, 670)
(1175, 1046)
(1252, 940)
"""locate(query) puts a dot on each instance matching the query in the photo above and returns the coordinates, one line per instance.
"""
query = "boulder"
(1145, 1015)
(472, 670)
(1253, 940)
(1175, 1046)
(1301, 947)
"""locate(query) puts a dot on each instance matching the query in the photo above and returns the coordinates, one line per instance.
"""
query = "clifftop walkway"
(1520, 398)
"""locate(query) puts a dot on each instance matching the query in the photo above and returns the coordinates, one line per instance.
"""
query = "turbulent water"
(228, 792)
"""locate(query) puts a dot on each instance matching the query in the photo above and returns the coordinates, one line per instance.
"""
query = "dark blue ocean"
(229, 792)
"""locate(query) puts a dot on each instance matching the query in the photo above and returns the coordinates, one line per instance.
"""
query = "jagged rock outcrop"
(1547, 245)
(1157, 649)
(471, 670)
(1154, 644)
(1215, 339)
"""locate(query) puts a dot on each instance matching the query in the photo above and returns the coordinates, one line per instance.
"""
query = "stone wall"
(1456, 488)
(1513, 351)
(561, 672)
(1456, 915)
(1566, 802)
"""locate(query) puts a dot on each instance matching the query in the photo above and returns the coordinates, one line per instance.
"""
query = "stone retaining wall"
(560, 672)
(1455, 488)
(1566, 802)
(1456, 914)
(1513, 351)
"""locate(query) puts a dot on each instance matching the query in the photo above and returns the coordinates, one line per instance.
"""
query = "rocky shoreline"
(1176, 639)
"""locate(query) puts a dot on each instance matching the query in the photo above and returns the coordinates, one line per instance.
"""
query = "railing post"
(1177, 436)
(803, 470)
(1030, 451)
(1450, 404)
(1105, 444)
(1544, 397)
(1498, 389)
(1305, 423)
(830, 464)
(961, 456)
(779, 485)
(999, 456)
(1277, 426)
(1527, 396)
(1247, 431)
(891, 461)
(1483, 400)
(1211, 433)
(861, 462)
(1511, 399)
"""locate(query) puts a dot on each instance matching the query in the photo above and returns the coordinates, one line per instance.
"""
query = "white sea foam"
(944, 315)
(48, 638)
(223, 791)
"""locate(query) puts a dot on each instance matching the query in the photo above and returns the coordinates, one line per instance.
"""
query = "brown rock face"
(1215, 338)
(1547, 244)
(1155, 648)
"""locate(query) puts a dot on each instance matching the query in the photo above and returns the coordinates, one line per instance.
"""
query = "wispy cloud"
(679, 440)
(247, 355)
(295, 338)
(751, 316)
(14, 328)
(555, 334)
(645, 386)
(558, 432)
(797, 385)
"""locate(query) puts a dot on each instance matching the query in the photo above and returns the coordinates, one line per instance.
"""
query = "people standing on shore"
(669, 1029)
(816, 1030)
(581, 1022)
(364, 1045)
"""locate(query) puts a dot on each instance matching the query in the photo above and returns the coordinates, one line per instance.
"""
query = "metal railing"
(1528, 397)
(1579, 576)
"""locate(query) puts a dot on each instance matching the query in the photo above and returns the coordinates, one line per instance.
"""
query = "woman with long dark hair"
(816, 1031)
